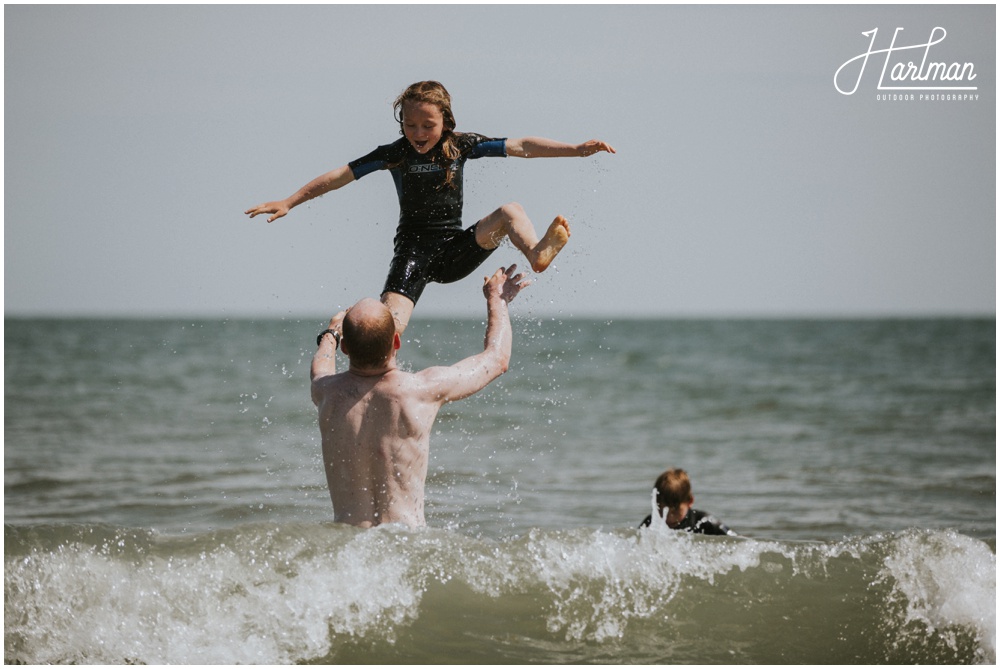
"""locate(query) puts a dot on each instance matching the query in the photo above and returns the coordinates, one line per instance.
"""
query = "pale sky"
(745, 184)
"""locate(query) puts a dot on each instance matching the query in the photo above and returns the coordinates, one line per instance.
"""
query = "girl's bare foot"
(551, 244)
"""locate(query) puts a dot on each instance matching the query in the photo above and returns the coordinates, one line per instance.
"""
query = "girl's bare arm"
(540, 147)
(322, 184)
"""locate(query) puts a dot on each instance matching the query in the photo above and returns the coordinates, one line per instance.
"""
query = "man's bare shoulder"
(435, 382)
(433, 374)
(393, 379)
(433, 385)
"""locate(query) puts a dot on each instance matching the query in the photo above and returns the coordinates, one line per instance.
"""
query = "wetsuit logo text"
(426, 167)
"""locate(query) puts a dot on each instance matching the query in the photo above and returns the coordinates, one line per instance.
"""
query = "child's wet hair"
(673, 488)
(432, 92)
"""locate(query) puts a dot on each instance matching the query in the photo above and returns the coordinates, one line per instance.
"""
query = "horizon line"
(773, 316)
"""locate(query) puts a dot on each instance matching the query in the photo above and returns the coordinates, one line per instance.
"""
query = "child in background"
(426, 165)
(673, 494)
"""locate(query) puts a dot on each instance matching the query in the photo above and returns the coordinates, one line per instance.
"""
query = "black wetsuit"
(698, 522)
(430, 244)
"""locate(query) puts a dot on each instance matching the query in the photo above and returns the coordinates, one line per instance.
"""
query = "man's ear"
(396, 342)
(343, 346)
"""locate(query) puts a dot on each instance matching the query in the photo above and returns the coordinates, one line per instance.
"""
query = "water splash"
(304, 593)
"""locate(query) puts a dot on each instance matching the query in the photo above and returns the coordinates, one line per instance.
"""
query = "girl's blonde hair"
(433, 92)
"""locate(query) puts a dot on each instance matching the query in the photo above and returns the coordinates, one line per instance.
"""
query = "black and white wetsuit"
(698, 522)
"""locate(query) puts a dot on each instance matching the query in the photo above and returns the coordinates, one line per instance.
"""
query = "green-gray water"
(165, 500)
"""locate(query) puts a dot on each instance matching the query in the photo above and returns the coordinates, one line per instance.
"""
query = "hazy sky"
(744, 184)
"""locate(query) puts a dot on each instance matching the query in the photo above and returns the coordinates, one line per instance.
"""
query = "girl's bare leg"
(401, 308)
(512, 222)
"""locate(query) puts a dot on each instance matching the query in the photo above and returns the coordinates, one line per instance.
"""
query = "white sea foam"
(947, 580)
(284, 594)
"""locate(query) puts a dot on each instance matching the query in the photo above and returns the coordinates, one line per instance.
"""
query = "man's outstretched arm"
(474, 373)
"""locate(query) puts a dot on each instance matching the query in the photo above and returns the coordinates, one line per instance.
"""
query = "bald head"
(369, 332)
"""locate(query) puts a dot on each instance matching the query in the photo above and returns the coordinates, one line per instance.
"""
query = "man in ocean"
(375, 420)
(673, 495)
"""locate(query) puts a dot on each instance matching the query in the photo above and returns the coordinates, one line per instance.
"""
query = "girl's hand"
(278, 208)
(594, 146)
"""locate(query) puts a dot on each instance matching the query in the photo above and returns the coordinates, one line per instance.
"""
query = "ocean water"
(164, 499)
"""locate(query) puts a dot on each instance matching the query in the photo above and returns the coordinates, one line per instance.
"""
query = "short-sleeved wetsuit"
(430, 244)
(698, 522)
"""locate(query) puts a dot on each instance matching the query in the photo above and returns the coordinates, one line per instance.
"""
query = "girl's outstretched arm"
(322, 184)
(539, 147)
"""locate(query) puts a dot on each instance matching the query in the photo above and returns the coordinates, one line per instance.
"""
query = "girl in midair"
(426, 165)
